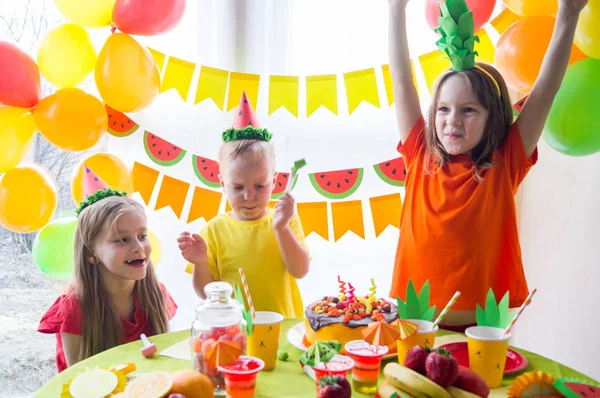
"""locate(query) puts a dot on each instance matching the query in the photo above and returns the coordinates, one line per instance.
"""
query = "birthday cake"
(345, 317)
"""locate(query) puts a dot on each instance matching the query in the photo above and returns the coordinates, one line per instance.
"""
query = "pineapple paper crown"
(416, 306)
(457, 27)
(245, 125)
(494, 315)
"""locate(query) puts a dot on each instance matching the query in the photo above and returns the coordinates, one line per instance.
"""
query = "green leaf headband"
(247, 133)
(457, 28)
(97, 196)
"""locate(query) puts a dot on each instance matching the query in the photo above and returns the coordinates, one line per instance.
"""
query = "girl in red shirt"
(115, 296)
(464, 164)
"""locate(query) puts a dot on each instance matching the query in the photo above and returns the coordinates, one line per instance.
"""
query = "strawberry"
(415, 359)
(441, 367)
(334, 387)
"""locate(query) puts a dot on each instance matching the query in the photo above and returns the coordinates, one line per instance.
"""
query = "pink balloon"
(20, 83)
(482, 12)
(147, 17)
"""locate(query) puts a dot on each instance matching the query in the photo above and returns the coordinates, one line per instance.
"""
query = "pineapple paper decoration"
(495, 315)
(457, 28)
(416, 306)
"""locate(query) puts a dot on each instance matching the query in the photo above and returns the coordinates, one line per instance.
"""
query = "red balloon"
(482, 12)
(147, 17)
(20, 83)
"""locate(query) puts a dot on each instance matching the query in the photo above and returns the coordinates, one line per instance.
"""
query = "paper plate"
(296, 334)
(515, 362)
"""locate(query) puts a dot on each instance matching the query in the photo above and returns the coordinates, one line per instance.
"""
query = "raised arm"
(406, 98)
(532, 119)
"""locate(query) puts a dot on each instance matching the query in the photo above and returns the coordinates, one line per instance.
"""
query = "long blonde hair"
(497, 125)
(101, 327)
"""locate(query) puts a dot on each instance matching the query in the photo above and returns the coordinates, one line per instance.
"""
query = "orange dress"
(458, 233)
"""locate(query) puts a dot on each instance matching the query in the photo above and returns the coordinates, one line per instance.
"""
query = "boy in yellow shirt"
(267, 243)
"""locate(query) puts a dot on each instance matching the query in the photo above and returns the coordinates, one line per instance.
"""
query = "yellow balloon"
(156, 249)
(126, 75)
(530, 8)
(587, 35)
(27, 198)
(109, 168)
(16, 133)
(90, 13)
(71, 119)
(66, 55)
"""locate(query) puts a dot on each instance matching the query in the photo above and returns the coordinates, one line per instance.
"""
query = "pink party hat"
(91, 182)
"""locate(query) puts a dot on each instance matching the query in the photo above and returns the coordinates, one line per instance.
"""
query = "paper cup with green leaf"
(416, 309)
(488, 344)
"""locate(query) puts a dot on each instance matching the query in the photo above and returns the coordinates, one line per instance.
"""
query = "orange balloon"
(127, 76)
(71, 119)
(530, 8)
(521, 49)
(28, 198)
(109, 168)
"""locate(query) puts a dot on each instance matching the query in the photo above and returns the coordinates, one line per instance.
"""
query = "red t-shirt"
(458, 233)
(65, 315)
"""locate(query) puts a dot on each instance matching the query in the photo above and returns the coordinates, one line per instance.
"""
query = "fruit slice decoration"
(223, 353)
(495, 315)
(518, 107)
(207, 171)
(119, 124)
(380, 334)
(392, 171)
(153, 384)
(574, 388)
(95, 383)
(406, 328)
(533, 384)
(281, 183)
(337, 184)
(320, 352)
(91, 183)
(162, 152)
(416, 307)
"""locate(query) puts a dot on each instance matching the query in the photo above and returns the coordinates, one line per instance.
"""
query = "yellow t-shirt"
(252, 245)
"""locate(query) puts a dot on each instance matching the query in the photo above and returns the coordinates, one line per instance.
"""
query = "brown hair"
(234, 149)
(101, 326)
(499, 119)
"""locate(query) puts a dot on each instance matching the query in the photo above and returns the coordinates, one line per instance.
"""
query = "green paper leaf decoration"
(495, 315)
(401, 308)
(416, 306)
(480, 316)
(503, 320)
(428, 314)
(466, 26)
(412, 302)
(457, 31)
(457, 8)
(424, 298)
(492, 314)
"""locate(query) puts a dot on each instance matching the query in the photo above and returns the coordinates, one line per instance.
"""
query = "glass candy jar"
(218, 318)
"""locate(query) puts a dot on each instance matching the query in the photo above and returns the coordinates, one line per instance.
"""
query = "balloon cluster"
(572, 127)
(127, 79)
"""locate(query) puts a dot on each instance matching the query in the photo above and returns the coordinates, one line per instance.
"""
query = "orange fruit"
(149, 385)
(192, 384)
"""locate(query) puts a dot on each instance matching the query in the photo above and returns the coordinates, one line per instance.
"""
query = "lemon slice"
(149, 385)
(96, 383)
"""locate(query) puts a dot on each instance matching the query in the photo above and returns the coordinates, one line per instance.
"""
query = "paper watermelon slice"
(207, 171)
(518, 107)
(574, 388)
(337, 184)
(392, 171)
(91, 183)
(281, 183)
(162, 152)
(119, 124)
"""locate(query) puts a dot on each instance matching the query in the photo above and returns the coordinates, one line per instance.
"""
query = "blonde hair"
(101, 324)
(485, 86)
(259, 149)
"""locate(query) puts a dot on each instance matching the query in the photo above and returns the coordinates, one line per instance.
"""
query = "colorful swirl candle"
(372, 291)
(342, 286)
(350, 293)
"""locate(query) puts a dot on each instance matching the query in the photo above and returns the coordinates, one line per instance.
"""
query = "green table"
(287, 380)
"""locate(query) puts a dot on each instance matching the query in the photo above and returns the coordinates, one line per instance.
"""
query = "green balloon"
(573, 125)
(54, 248)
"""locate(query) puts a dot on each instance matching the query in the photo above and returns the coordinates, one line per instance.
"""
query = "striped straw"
(247, 291)
(446, 309)
(519, 311)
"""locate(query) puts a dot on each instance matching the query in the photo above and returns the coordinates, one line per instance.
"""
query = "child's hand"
(193, 247)
(572, 7)
(284, 211)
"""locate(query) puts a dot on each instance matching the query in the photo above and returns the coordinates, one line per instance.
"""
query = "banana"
(412, 382)
(458, 393)
(386, 390)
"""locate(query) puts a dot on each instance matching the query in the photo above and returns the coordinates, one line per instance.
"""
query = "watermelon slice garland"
(281, 184)
(518, 107)
(119, 124)
(337, 184)
(162, 152)
(392, 171)
(207, 171)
